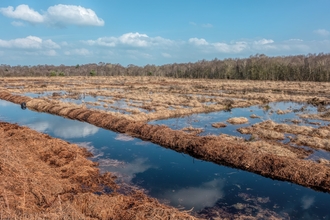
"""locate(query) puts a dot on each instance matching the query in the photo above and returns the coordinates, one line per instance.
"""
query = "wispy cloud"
(198, 41)
(57, 15)
(29, 42)
(322, 32)
(234, 47)
(131, 40)
(142, 49)
(264, 41)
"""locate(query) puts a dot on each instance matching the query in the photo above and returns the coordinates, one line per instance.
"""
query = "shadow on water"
(177, 178)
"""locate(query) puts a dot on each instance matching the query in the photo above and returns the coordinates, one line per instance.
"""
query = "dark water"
(174, 177)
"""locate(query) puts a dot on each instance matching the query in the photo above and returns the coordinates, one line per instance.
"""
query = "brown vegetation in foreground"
(264, 159)
(43, 177)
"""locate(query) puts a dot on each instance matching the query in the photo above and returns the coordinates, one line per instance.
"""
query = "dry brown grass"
(219, 125)
(47, 178)
(192, 130)
(262, 133)
(238, 120)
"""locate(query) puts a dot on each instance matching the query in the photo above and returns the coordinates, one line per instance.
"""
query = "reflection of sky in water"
(205, 120)
(116, 106)
(175, 177)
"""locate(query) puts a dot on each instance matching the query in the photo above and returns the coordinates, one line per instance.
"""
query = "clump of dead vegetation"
(219, 125)
(192, 130)
(238, 120)
(47, 178)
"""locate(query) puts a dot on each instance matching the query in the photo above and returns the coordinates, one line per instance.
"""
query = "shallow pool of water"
(177, 178)
(205, 120)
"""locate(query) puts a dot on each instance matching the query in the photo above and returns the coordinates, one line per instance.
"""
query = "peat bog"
(282, 136)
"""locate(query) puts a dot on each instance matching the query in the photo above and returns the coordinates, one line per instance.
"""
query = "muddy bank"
(44, 177)
(225, 150)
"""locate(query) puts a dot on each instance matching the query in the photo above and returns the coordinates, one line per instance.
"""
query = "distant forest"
(311, 67)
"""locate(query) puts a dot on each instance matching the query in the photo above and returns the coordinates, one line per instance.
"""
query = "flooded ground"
(261, 112)
(180, 179)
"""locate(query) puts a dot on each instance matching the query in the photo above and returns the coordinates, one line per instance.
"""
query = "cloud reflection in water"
(65, 128)
(124, 170)
(200, 197)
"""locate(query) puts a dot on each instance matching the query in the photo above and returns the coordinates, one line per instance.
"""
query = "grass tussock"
(219, 125)
(238, 120)
(261, 133)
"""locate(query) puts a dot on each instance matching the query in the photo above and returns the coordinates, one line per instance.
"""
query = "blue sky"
(159, 32)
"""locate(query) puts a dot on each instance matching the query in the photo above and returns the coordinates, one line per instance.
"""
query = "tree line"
(311, 67)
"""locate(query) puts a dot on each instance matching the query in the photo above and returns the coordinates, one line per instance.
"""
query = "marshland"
(169, 147)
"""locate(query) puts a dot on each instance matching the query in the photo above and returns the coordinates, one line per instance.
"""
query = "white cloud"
(235, 47)
(131, 40)
(72, 14)
(23, 12)
(65, 129)
(322, 32)
(264, 41)
(30, 42)
(57, 15)
(134, 39)
(198, 42)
